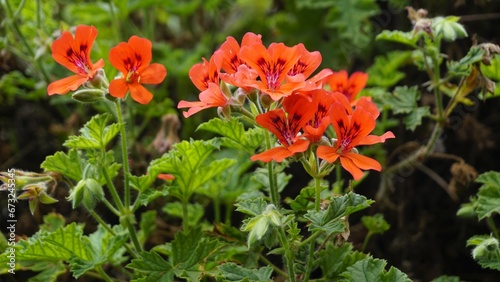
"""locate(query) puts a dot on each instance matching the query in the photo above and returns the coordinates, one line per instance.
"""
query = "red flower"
(209, 98)
(133, 60)
(349, 86)
(165, 176)
(74, 54)
(305, 66)
(322, 101)
(230, 51)
(272, 65)
(203, 74)
(285, 124)
(236, 70)
(352, 130)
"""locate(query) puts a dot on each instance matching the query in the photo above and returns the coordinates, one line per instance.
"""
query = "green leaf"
(49, 271)
(446, 278)
(190, 249)
(52, 221)
(384, 71)
(464, 66)
(486, 251)
(334, 260)
(329, 220)
(350, 18)
(448, 27)
(69, 165)
(234, 134)
(407, 38)
(404, 100)
(141, 183)
(375, 224)
(150, 194)
(62, 244)
(252, 207)
(95, 134)
(187, 163)
(370, 269)
(152, 267)
(234, 272)
(147, 225)
(195, 212)
(492, 71)
(305, 200)
(414, 118)
(488, 197)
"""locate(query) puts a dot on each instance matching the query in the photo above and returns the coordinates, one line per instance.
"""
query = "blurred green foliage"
(182, 33)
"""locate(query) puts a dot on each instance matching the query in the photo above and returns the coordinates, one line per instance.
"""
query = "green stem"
(112, 190)
(126, 169)
(133, 236)
(365, 242)
(311, 238)
(126, 211)
(437, 93)
(288, 255)
(493, 227)
(103, 274)
(229, 213)
(317, 202)
(185, 214)
(110, 230)
(309, 264)
(114, 20)
(24, 41)
(217, 208)
(111, 207)
(39, 11)
(102, 222)
(338, 182)
(273, 189)
(268, 262)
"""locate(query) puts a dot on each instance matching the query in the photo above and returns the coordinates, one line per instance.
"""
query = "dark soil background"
(426, 238)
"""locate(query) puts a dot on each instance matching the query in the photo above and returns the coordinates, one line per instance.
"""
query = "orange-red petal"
(165, 176)
(142, 48)
(119, 55)
(374, 139)
(278, 154)
(118, 88)
(153, 74)
(349, 165)
(327, 153)
(139, 93)
(363, 162)
(63, 86)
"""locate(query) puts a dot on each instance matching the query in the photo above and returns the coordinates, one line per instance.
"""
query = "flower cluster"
(287, 101)
(132, 59)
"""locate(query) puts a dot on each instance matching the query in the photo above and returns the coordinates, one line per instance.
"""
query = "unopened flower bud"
(266, 100)
(225, 90)
(88, 95)
(99, 80)
(87, 192)
(224, 112)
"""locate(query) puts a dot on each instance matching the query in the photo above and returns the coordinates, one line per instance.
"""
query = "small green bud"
(224, 112)
(87, 192)
(225, 90)
(449, 28)
(88, 95)
(266, 100)
(258, 227)
(466, 211)
(487, 246)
